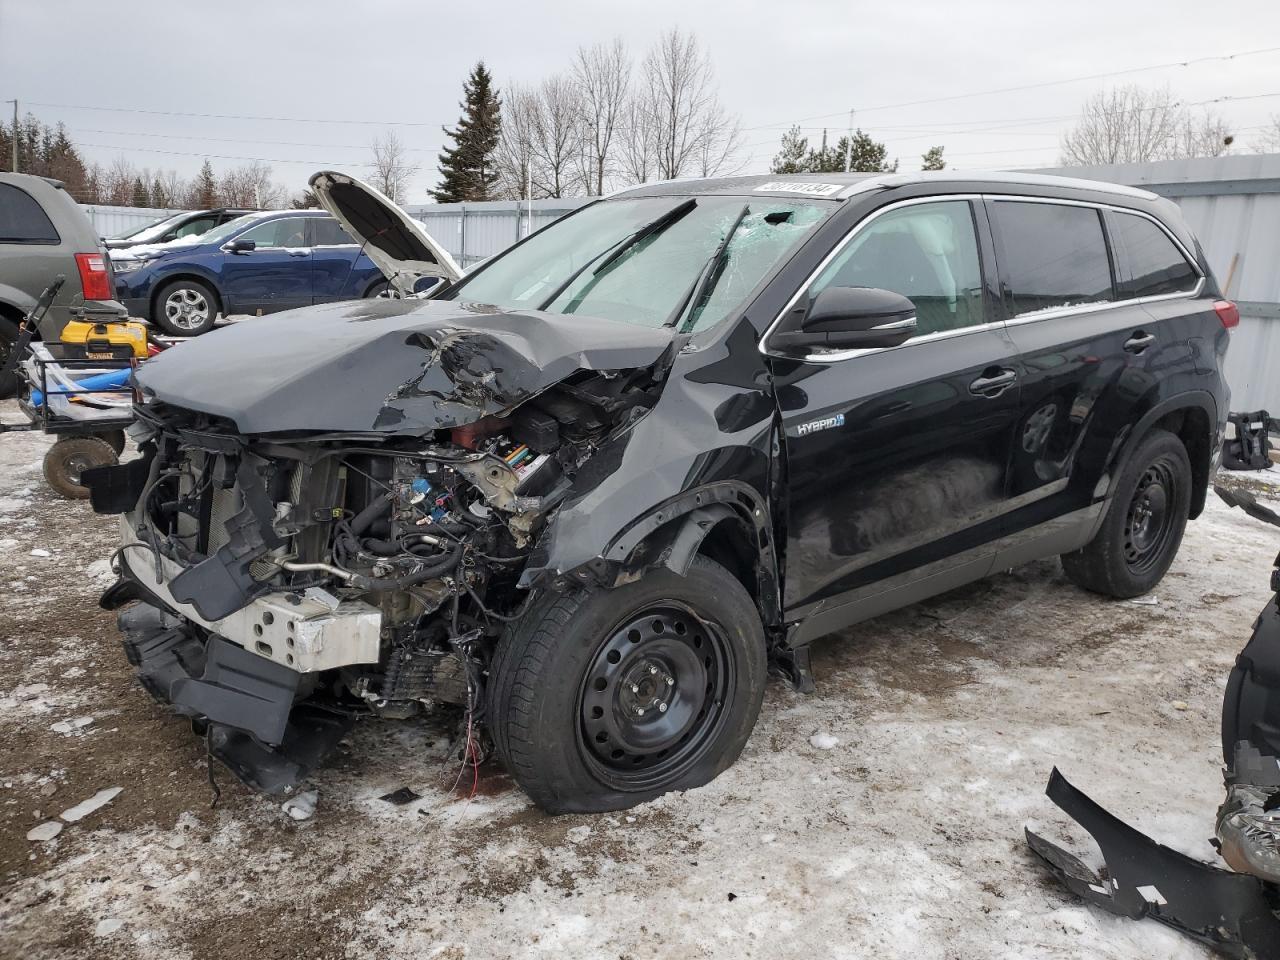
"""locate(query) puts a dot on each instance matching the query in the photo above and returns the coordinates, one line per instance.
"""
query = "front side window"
(928, 252)
(1155, 264)
(329, 233)
(686, 262)
(22, 219)
(290, 232)
(1052, 256)
(195, 227)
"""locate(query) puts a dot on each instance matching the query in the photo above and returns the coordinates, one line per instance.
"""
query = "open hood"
(402, 367)
(402, 250)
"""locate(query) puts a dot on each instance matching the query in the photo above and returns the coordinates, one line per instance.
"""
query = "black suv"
(585, 495)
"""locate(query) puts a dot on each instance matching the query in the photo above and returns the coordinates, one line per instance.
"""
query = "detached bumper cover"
(1234, 912)
(247, 702)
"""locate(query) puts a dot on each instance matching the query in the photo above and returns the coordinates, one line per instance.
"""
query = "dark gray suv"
(43, 232)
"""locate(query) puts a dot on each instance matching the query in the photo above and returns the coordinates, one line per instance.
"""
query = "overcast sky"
(384, 62)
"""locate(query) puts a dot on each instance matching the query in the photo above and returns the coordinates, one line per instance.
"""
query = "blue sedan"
(259, 263)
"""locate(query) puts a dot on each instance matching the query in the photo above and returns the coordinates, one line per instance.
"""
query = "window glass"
(1155, 264)
(927, 252)
(700, 260)
(195, 227)
(1052, 255)
(22, 220)
(329, 233)
(289, 232)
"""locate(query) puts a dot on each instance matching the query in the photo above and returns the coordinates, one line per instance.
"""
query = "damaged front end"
(290, 582)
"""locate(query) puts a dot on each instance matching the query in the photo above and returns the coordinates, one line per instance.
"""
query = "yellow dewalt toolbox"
(117, 340)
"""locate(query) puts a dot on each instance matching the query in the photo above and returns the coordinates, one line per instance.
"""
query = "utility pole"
(848, 143)
(15, 133)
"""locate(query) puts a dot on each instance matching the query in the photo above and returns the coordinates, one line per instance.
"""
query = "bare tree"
(250, 186)
(393, 171)
(637, 152)
(514, 154)
(679, 97)
(557, 134)
(602, 74)
(1133, 124)
(1269, 140)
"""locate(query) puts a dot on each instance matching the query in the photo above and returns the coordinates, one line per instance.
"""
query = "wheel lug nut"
(669, 681)
(662, 708)
(634, 688)
(639, 711)
(653, 671)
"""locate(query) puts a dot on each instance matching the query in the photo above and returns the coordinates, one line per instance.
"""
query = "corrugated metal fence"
(472, 232)
(113, 221)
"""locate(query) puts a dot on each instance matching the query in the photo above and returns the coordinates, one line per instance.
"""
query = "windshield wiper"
(611, 255)
(708, 276)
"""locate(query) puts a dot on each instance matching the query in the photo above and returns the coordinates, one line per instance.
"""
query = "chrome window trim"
(837, 355)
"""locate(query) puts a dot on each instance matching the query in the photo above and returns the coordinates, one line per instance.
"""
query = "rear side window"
(1051, 256)
(22, 220)
(329, 233)
(1155, 264)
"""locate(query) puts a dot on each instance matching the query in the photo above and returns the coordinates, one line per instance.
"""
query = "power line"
(274, 143)
(223, 156)
(1031, 86)
(232, 116)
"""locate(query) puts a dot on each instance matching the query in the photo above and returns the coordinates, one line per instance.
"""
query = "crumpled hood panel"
(391, 366)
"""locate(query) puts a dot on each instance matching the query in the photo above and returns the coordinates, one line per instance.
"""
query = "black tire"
(71, 455)
(1143, 528)
(698, 633)
(8, 337)
(116, 439)
(381, 289)
(199, 297)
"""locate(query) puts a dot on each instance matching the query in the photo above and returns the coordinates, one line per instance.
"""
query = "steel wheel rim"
(187, 308)
(75, 465)
(654, 697)
(1149, 521)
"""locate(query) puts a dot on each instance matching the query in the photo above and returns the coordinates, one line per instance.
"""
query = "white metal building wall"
(472, 232)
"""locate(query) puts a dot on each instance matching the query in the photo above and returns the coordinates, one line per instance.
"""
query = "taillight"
(1228, 313)
(94, 278)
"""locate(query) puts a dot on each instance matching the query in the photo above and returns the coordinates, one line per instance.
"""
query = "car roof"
(843, 186)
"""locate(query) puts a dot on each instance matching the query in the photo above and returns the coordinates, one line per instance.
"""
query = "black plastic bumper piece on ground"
(1236, 913)
(247, 702)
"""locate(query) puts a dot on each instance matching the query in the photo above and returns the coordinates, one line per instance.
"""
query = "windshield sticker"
(815, 189)
(826, 423)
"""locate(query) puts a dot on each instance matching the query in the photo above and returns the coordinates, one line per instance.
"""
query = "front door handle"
(299, 252)
(1139, 341)
(1000, 379)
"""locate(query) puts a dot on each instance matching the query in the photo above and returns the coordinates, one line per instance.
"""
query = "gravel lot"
(903, 838)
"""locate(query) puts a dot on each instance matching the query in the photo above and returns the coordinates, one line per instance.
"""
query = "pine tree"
(931, 159)
(792, 154)
(468, 170)
(140, 198)
(206, 187)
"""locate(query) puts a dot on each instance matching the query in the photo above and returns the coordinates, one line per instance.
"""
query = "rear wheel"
(8, 337)
(602, 699)
(185, 308)
(71, 456)
(1144, 524)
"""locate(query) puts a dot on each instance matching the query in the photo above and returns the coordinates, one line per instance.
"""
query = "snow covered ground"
(881, 817)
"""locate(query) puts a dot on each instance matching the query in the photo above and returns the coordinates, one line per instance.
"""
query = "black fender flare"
(1127, 443)
(672, 533)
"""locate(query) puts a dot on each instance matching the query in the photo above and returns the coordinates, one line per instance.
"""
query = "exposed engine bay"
(374, 574)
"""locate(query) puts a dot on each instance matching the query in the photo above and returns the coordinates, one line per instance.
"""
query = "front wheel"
(1143, 528)
(602, 699)
(185, 308)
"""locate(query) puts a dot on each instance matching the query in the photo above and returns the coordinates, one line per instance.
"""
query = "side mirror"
(240, 246)
(848, 318)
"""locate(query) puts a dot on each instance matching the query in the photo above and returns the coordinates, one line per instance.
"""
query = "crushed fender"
(1237, 913)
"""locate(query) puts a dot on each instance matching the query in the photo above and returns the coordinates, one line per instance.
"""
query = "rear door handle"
(993, 385)
(1139, 341)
